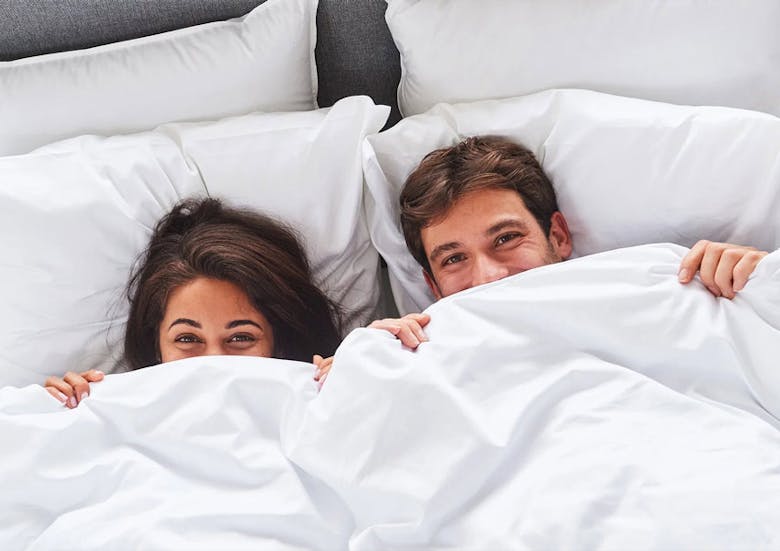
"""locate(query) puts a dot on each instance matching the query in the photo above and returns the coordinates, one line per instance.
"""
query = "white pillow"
(304, 168)
(262, 61)
(699, 53)
(75, 215)
(626, 171)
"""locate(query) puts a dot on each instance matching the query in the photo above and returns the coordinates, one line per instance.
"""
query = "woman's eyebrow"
(185, 321)
(236, 323)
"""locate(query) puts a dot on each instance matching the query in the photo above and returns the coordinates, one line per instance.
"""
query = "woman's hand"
(323, 368)
(724, 268)
(73, 387)
(408, 329)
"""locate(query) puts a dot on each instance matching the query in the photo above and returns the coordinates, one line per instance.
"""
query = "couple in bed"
(216, 280)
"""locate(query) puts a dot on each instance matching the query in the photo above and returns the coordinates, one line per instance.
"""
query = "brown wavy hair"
(204, 238)
(480, 162)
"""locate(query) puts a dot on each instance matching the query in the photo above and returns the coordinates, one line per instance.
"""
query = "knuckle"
(723, 282)
(742, 271)
(707, 279)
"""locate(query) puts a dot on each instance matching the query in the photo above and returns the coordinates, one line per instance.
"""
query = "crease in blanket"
(594, 404)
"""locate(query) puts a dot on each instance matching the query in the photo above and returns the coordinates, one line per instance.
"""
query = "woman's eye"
(242, 337)
(454, 259)
(187, 339)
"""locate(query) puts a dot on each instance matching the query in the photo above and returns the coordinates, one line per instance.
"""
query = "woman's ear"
(559, 236)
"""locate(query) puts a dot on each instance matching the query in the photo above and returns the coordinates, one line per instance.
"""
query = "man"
(484, 209)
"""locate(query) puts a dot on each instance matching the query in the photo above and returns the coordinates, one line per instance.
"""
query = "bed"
(591, 404)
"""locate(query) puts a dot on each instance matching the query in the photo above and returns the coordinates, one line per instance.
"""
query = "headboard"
(355, 52)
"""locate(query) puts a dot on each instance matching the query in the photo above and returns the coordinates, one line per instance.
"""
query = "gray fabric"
(32, 27)
(355, 53)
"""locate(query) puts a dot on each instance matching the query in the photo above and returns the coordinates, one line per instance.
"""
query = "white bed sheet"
(594, 404)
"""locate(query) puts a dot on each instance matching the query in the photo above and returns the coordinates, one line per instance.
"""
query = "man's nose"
(487, 270)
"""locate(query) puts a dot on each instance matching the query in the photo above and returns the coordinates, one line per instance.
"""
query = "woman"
(218, 280)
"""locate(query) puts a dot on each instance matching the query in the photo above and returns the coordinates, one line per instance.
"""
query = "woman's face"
(208, 317)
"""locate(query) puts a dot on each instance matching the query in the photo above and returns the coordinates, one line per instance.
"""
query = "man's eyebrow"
(185, 321)
(443, 248)
(508, 223)
(237, 323)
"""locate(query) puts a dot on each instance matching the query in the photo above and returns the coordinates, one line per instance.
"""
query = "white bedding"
(593, 404)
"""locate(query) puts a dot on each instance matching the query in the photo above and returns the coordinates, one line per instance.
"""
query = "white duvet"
(593, 404)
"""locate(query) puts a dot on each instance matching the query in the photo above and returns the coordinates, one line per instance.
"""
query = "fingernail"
(72, 402)
(683, 275)
(61, 397)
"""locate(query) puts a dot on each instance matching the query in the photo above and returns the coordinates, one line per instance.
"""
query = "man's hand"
(723, 268)
(73, 387)
(408, 329)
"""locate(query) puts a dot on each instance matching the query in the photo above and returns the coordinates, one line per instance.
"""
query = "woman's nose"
(215, 350)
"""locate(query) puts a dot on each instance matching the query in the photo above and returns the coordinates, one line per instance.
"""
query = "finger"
(725, 269)
(389, 324)
(400, 328)
(690, 264)
(326, 365)
(416, 322)
(407, 337)
(322, 365)
(79, 384)
(64, 388)
(420, 318)
(709, 265)
(745, 267)
(57, 394)
(415, 328)
(322, 375)
(93, 375)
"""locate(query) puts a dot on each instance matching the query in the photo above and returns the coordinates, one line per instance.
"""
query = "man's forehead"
(478, 211)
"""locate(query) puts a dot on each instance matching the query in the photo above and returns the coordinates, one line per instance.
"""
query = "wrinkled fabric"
(592, 404)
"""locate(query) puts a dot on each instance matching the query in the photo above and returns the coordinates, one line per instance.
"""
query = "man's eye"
(187, 339)
(453, 259)
(506, 238)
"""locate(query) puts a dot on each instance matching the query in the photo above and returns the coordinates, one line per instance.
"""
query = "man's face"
(488, 235)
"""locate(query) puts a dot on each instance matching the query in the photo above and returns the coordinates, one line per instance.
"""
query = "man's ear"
(560, 237)
(432, 284)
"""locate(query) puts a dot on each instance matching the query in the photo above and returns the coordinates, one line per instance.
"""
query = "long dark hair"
(204, 238)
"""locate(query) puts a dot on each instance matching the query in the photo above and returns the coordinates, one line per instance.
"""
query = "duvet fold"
(592, 404)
